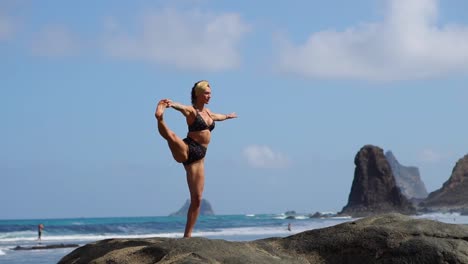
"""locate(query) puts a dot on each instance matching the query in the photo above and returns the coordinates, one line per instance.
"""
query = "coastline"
(226, 227)
(385, 238)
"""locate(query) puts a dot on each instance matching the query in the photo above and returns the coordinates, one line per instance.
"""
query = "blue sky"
(311, 81)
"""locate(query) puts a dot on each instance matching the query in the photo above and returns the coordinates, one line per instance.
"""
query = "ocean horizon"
(242, 227)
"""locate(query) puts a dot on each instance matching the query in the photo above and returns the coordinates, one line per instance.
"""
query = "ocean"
(85, 230)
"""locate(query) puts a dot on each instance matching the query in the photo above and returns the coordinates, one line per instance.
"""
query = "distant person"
(191, 150)
(289, 226)
(40, 227)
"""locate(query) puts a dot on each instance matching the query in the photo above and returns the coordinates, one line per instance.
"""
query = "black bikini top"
(199, 124)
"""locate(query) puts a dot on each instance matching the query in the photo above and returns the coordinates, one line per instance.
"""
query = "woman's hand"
(169, 102)
(222, 117)
(162, 105)
(231, 115)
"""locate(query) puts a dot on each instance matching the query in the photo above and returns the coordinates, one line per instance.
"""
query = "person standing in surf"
(191, 150)
(40, 228)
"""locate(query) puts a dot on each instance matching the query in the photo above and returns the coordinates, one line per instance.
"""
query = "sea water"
(85, 230)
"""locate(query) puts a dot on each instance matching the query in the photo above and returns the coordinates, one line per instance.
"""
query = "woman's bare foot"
(162, 105)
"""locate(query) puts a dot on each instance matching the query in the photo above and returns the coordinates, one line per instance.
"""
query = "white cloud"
(7, 28)
(264, 157)
(430, 156)
(55, 41)
(188, 40)
(407, 44)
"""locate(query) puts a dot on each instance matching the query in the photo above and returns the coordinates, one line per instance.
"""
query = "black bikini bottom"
(196, 151)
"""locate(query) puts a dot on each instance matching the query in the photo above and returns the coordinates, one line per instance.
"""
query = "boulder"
(322, 215)
(205, 209)
(407, 178)
(387, 238)
(374, 189)
(50, 246)
(453, 195)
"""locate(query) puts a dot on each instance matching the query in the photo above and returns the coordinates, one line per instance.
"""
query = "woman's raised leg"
(196, 183)
(177, 146)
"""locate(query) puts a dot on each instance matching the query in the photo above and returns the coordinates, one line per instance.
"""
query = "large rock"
(454, 193)
(374, 189)
(50, 246)
(391, 238)
(205, 209)
(407, 178)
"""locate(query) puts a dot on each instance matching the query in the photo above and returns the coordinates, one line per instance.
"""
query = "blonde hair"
(199, 88)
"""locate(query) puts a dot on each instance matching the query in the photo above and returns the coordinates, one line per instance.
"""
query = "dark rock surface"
(407, 178)
(205, 209)
(389, 238)
(51, 246)
(454, 193)
(322, 215)
(374, 189)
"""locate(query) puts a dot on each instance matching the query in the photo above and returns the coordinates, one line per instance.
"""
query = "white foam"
(341, 217)
(451, 218)
(2, 253)
(17, 234)
(279, 217)
(225, 232)
(328, 213)
(244, 231)
(298, 226)
(86, 237)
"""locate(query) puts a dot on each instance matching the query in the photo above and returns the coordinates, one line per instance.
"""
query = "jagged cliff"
(374, 188)
(454, 193)
(407, 178)
(205, 209)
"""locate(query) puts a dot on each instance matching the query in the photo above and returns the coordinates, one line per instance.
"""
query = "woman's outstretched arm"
(184, 109)
(222, 117)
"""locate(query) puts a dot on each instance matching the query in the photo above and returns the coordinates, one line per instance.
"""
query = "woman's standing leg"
(177, 146)
(196, 183)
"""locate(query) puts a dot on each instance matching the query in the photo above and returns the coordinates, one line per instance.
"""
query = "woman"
(40, 228)
(191, 150)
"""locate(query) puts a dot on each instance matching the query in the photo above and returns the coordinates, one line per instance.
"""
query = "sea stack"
(205, 209)
(374, 189)
(407, 178)
(453, 196)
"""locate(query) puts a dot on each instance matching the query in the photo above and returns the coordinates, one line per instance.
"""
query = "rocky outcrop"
(391, 238)
(374, 188)
(205, 209)
(322, 215)
(407, 178)
(51, 246)
(454, 193)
